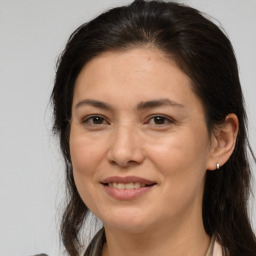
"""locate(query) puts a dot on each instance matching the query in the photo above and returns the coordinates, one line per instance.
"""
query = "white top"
(214, 248)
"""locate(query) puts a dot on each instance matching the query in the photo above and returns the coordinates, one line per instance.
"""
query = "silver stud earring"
(217, 166)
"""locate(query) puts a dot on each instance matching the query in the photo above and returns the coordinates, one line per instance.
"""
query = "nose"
(125, 148)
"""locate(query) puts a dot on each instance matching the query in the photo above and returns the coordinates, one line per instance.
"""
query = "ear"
(223, 142)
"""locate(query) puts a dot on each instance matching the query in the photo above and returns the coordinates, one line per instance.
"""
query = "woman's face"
(139, 143)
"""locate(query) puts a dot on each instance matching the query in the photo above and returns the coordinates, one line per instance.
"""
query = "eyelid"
(168, 118)
(86, 118)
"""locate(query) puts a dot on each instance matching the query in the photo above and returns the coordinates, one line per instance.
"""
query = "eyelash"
(167, 120)
(86, 121)
(103, 121)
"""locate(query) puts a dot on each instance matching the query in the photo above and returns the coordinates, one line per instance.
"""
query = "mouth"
(128, 182)
(126, 188)
(130, 185)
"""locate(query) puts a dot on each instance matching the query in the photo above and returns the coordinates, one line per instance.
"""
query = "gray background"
(32, 34)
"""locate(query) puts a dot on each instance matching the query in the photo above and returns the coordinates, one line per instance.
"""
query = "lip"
(127, 179)
(127, 194)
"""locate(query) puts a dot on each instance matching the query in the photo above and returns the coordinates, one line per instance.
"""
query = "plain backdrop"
(32, 35)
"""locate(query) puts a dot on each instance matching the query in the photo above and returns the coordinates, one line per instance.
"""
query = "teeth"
(131, 185)
(120, 186)
(137, 185)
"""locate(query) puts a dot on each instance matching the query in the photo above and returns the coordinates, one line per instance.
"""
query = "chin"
(127, 227)
(128, 221)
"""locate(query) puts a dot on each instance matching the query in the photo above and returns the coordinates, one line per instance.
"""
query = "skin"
(173, 150)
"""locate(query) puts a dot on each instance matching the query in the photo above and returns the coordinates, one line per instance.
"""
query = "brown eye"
(159, 120)
(95, 120)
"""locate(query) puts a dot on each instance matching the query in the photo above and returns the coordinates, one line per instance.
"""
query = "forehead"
(142, 73)
(135, 65)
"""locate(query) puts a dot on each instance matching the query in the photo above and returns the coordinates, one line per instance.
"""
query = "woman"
(149, 111)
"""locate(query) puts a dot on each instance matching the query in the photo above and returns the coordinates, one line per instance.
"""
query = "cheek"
(182, 159)
(182, 164)
(179, 151)
(86, 155)
(86, 152)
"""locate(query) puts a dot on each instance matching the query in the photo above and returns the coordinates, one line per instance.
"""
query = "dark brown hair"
(206, 55)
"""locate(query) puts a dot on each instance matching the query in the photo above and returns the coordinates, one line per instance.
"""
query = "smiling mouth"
(131, 185)
(127, 188)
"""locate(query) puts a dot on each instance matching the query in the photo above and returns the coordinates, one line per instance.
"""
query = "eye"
(159, 120)
(94, 120)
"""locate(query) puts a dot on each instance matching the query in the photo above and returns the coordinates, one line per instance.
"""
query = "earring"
(217, 166)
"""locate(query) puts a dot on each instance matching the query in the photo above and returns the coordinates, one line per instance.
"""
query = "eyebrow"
(141, 106)
(158, 103)
(94, 103)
